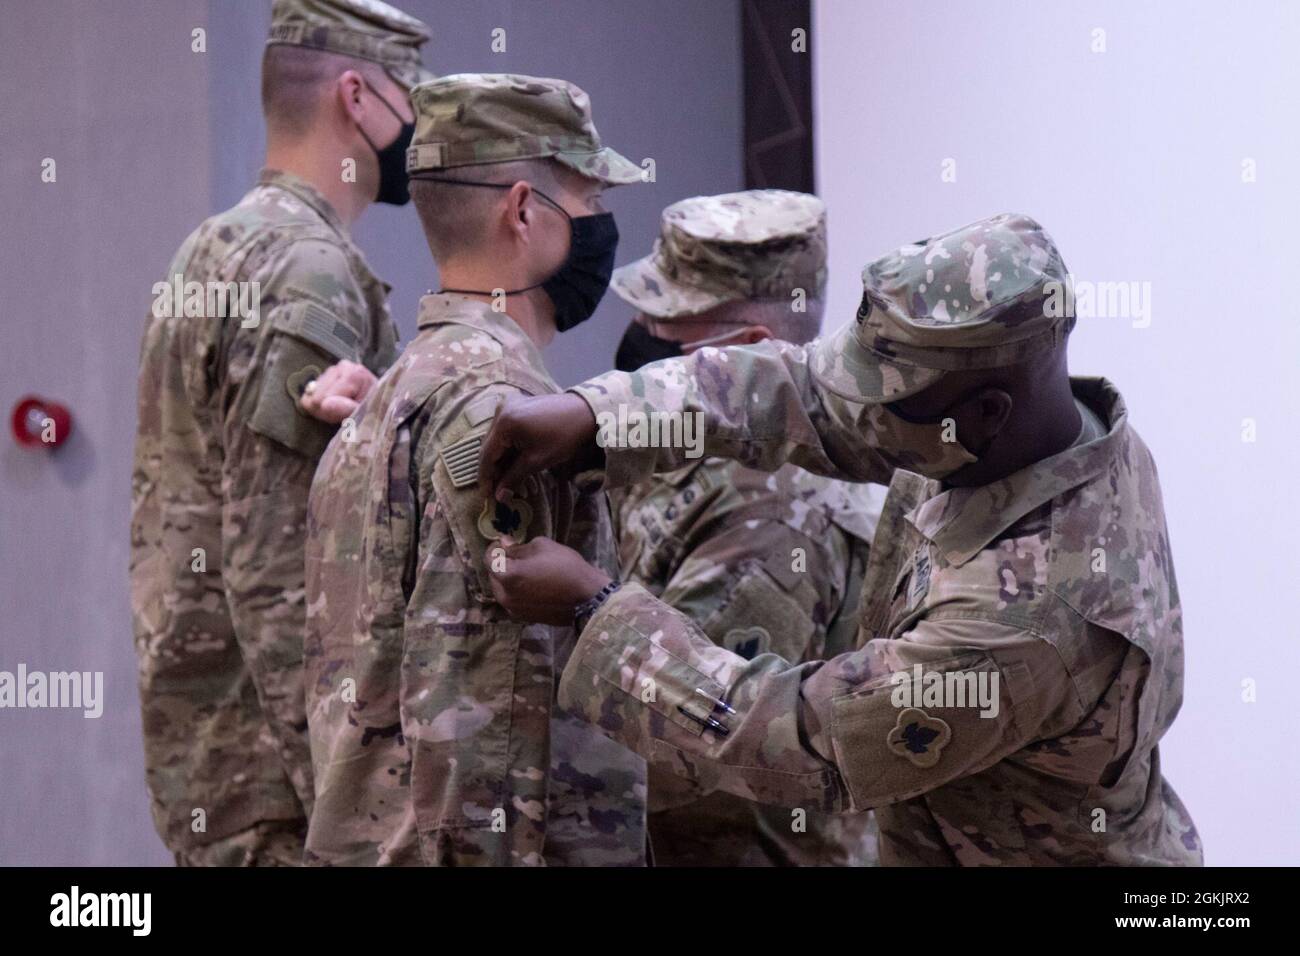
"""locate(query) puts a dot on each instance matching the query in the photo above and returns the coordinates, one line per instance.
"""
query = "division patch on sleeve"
(748, 642)
(918, 737)
(296, 383)
(512, 518)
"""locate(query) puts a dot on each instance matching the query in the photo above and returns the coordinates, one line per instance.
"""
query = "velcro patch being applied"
(511, 518)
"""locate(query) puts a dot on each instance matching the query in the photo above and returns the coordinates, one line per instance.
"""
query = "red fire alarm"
(39, 421)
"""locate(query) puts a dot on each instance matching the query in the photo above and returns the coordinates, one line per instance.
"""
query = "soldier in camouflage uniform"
(434, 733)
(1021, 650)
(763, 563)
(225, 454)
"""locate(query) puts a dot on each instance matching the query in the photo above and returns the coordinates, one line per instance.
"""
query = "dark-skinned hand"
(542, 581)
(556, 432)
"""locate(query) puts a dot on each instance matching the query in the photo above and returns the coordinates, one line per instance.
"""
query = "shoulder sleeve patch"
(512, 518)
(921, 727)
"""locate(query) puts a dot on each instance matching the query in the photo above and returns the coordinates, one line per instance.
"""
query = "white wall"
(1132, 158)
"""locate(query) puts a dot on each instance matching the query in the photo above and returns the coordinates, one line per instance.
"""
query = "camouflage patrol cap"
(476, 119)
(365, 29)
(968, 299)
(759, 244)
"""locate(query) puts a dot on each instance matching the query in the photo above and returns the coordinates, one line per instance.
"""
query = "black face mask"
(577, 287)
(394, 188)
(640, 347)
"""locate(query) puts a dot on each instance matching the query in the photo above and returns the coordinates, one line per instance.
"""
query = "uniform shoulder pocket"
(477, 524)
(305, 339)
(918, 728)
(761, 617)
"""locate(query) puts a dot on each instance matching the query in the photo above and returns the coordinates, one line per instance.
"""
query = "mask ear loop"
(379, 96)
(466, 182)
(944, 416)
(387, 105)
(688, 347)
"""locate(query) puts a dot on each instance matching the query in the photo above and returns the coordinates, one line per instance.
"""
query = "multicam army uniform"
(435, 737)
(1056, 581)
(762, 563)
(223, 463)
(434, 733)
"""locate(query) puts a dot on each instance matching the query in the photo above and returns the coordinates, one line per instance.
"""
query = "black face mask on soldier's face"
(394, 188)
(579, 285)
(576, 288)
(640, 346)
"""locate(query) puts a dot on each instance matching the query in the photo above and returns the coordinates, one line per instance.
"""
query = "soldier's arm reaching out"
(759, 404)
(837, 735)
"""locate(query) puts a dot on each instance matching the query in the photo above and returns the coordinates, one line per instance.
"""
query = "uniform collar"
(307, 193)
(451, 308)
(962, 521)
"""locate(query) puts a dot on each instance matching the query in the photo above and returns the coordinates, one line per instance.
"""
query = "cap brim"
(841, 364)
(605, 165)
(644, 286)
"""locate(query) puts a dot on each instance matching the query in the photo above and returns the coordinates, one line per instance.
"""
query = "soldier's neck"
(320, 168)
(1042, 426)
(531, 311)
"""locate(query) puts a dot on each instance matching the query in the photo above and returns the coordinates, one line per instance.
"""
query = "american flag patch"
(461, 460)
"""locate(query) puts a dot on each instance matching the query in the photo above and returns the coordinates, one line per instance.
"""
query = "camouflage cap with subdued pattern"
(759, 244)
(366, 29)
(476, 119)
(972, 298)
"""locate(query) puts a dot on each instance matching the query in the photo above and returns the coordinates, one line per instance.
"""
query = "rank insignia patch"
(499, 519)
(918, 737)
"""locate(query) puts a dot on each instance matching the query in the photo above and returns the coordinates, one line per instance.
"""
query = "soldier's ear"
(519, 211)
(348, 88)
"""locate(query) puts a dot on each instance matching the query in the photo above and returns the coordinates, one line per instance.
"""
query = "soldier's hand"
(541, 582)
(337, 393)
(535, 434)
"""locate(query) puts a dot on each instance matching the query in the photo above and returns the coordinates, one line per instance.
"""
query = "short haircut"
(454, 217)
(295, 80)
